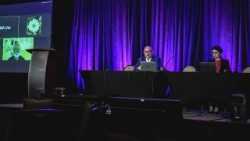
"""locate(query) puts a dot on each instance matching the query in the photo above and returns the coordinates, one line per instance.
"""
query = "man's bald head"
(148, 51)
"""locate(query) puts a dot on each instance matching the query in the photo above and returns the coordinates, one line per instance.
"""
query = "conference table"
(124, 83)
(184, 86)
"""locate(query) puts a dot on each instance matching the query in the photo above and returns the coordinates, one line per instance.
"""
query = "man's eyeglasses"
(147, 51)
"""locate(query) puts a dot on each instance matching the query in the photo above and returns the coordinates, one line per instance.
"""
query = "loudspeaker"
(145, 117)
(238, 110)
(170, 106)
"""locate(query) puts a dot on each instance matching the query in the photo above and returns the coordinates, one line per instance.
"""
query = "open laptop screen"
(148, 66)
(207, 66)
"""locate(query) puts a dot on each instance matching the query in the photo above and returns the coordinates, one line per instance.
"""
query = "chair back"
(128, 68)
(189, 69)
(246, 70)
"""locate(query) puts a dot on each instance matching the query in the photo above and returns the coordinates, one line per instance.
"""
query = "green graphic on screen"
(34, 25)
(14, 49)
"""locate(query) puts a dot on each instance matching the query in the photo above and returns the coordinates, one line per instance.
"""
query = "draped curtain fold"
(111, 34)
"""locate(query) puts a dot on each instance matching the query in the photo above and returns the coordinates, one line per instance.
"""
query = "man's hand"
(139, 68)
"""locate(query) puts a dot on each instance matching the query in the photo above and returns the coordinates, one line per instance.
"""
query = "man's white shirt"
(148, 59)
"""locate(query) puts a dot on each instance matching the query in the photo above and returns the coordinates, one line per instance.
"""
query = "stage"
(213, 127)
(195, 125)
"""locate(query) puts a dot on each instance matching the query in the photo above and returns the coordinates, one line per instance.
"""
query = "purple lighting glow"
(111, 34)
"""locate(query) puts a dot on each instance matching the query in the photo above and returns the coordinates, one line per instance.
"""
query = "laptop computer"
(207, 66)
(148, 66)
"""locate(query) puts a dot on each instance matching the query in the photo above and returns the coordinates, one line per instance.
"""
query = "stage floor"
(190, 115)
(197, 125)
(204, 116)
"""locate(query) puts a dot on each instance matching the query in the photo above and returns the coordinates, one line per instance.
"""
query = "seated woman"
(221, 65)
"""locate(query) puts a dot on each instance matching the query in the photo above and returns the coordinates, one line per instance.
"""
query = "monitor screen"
(207, 66)
(23, 26)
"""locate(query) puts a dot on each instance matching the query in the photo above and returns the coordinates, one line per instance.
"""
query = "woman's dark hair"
(218, 48)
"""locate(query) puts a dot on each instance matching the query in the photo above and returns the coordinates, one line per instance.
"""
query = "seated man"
(148, 57)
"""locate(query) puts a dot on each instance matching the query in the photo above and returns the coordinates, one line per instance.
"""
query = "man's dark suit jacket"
(153, 59)
(225, 67)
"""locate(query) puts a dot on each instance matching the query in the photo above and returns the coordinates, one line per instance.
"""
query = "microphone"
(170, 59)
(107, 69)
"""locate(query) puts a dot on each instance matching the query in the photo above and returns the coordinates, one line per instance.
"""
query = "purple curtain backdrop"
(111, 34)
